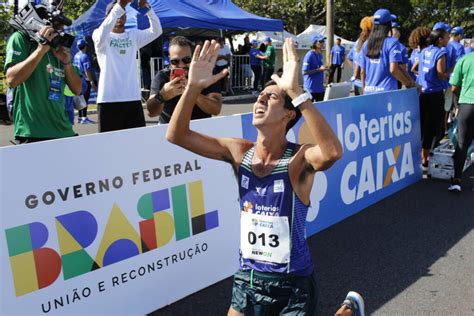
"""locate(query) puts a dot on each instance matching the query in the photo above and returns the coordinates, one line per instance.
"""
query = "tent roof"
(304, 38)
(184, 14)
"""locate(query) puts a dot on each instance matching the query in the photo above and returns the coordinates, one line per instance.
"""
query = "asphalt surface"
(410, 254)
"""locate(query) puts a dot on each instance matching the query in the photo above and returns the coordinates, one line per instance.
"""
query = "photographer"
(38, 74)
(119, 95)
(166, 89)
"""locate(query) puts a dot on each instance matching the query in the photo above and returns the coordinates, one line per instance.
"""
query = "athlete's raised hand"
(200, 71)
(289, 80)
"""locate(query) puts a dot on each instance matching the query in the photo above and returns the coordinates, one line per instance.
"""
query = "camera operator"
(38, 74)
(166, 92)
(119, 95)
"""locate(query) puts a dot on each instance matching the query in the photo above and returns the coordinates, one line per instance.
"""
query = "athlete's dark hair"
(181, 41)
(289, 106)
(435, 36)
(376, 39)
(418, 37)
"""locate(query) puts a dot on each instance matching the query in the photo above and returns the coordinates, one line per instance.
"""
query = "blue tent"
(183, 14)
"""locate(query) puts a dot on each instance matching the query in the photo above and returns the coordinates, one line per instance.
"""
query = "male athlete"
(276, 269)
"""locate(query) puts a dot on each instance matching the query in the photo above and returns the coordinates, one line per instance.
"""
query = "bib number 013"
(272, 238)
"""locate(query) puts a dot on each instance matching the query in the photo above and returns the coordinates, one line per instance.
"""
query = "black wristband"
(159, 98)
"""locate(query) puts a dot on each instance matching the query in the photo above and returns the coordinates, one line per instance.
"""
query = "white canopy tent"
(304, 38)
(277, 38)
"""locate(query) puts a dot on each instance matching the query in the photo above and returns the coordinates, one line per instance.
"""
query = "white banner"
(115, 223)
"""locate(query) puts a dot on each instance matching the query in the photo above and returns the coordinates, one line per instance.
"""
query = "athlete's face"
(269, 109)
(443, 41)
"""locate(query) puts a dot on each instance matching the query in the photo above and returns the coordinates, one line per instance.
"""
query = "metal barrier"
(241, 75)
(156, 64)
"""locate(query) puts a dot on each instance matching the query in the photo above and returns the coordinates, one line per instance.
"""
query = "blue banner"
(380, 135)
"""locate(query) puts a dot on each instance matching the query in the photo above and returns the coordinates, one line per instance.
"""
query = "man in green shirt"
(462, 81)
(269, 61)
(38, 74)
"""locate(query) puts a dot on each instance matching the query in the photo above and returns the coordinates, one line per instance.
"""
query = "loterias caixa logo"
(174, 212)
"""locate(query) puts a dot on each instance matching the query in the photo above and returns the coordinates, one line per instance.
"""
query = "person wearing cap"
(462, 82)
(119, 94)
(457, 49)
(83, 63)
(269, 61)
(403, 65)
(450, 50)
(457, 34)
(366, 25)
(338, 55)
(313, 68)
(380, 57)
(256, 57)
(432, 76)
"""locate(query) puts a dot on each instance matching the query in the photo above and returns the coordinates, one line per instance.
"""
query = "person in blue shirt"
(457, 34)
(450, 51)
(404, 64)
(338, 54)
(457, 49)
(417, 42)
(380, 57)
(83, 62)
(366, 25)
(313, 69)
(256, 57)
(432, 75)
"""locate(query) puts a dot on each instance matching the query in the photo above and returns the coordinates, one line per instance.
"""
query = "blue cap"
(267, 39)
(81, 44)
(382, 16)
(395, 25)
(457, 31)
(254, 42)
(317, 38)
(441, 26)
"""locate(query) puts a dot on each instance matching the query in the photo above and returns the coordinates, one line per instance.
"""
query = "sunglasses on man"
(186, 60)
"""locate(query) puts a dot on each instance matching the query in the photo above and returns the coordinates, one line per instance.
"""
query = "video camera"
(33, 17)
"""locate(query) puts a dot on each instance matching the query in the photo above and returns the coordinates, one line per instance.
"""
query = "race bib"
(265, 238)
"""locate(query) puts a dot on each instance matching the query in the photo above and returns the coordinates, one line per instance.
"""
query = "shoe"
(454, 188)
(356, 303)
(455, 185)
(87, 120)
(80, 120)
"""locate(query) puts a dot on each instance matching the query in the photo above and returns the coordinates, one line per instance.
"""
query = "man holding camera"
(168, 86)
(38, 74)
(119, 94)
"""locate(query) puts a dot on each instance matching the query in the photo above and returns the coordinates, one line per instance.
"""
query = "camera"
(33, 17)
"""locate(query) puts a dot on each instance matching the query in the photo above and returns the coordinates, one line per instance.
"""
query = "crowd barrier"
(126, 223)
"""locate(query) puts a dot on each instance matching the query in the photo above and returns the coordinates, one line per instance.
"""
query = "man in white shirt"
(119, 95)
(223, 62)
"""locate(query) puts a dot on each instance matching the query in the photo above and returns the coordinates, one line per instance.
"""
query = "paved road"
(410, 254)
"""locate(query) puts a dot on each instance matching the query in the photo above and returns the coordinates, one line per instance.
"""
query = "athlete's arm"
(328, 149)
(200, 76)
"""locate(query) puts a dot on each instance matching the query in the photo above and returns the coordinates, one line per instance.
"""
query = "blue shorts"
(260, 293)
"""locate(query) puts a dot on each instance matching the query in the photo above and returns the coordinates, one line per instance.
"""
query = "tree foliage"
(298, 14)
